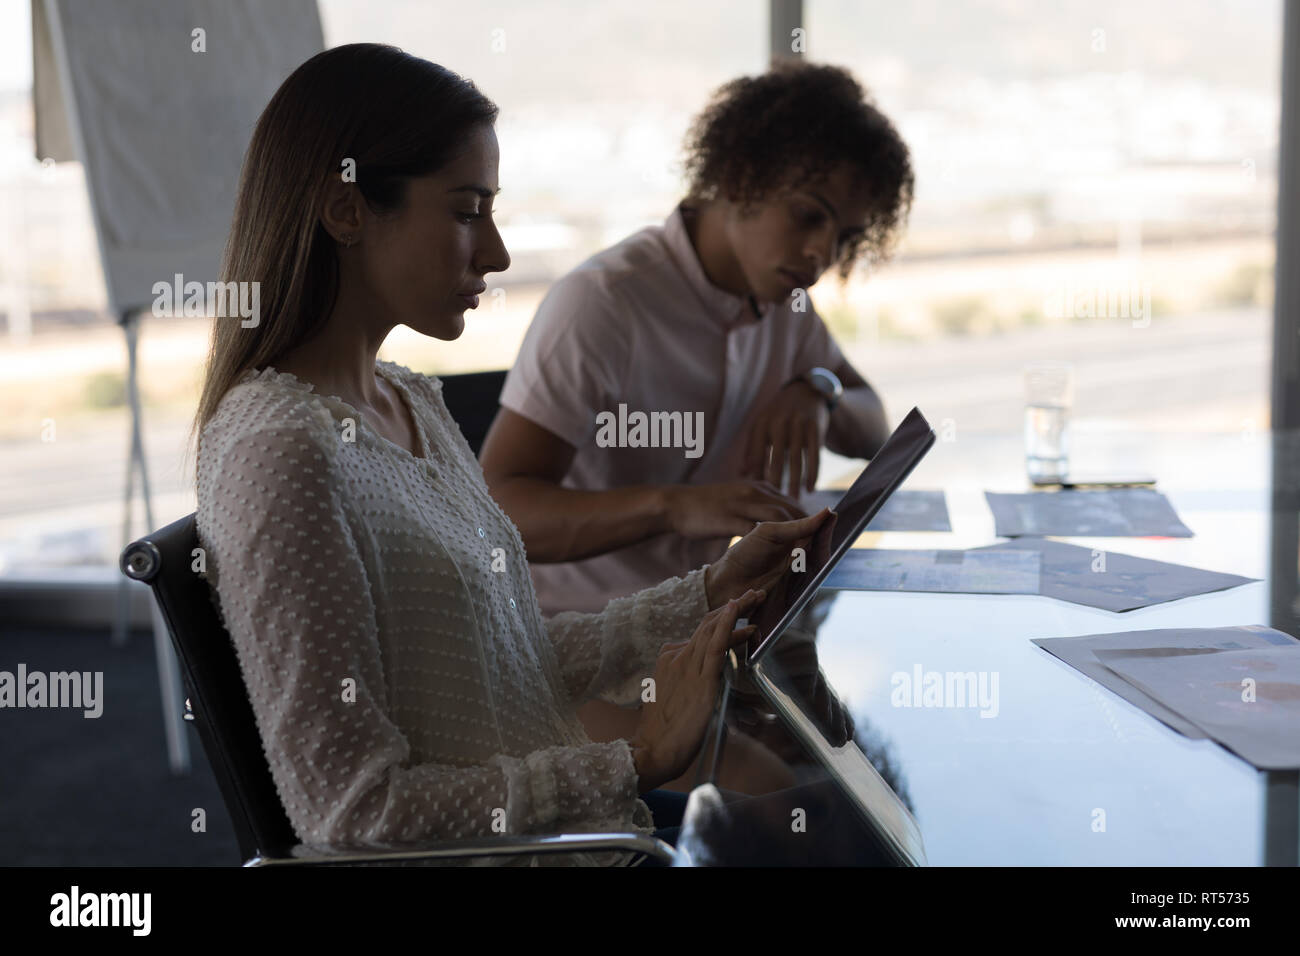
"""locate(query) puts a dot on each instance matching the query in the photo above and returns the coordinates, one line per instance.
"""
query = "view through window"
(1095, 183)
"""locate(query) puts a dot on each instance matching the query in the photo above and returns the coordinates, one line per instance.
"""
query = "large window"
(594, 101)
(1095, 181)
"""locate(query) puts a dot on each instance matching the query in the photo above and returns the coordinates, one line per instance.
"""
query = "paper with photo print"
(948, 571)
(1081, 654)
(1101, 513)
(1245, 700)
(1113, 581)
(903, 511)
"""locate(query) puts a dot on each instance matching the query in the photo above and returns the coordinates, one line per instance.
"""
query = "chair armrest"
(310, 855)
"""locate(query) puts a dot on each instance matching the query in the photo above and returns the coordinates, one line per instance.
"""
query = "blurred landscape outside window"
(1095, 182)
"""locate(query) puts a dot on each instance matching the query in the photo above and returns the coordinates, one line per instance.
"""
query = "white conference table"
(1027, 787)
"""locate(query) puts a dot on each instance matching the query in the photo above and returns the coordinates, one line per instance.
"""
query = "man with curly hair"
(705, 321)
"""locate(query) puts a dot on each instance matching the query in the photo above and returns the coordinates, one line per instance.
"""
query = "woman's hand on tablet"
(761, 557)
(686, 680)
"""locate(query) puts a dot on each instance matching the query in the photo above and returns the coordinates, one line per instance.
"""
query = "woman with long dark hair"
(404, 682)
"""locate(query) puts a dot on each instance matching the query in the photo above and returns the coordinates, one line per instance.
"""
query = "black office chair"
(218, 704)
(473, 400)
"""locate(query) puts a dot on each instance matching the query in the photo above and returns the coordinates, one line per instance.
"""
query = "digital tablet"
(890, 824)
(884, 473)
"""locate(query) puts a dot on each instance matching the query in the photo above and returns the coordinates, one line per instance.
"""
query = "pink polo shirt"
(640, 325)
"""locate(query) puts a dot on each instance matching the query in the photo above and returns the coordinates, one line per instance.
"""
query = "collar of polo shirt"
(729, 309)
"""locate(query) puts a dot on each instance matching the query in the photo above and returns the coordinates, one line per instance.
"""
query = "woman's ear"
(340, 211)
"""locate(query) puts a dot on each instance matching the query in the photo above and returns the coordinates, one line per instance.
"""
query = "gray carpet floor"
(98, 792)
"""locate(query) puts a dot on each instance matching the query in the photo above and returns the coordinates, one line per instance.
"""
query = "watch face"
(826, 383)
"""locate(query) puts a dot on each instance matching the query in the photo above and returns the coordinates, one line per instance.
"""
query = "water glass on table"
(1049, 394)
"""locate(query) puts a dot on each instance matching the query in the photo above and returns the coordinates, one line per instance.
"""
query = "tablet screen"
(882, 476)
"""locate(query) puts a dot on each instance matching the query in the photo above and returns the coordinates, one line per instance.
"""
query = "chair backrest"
(473, 400)
(215, 686)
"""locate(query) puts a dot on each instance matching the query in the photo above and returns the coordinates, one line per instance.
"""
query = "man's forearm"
(858, 426)
(564, 524)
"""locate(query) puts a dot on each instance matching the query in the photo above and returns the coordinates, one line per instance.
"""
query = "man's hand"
(726, 509)
(790, 429)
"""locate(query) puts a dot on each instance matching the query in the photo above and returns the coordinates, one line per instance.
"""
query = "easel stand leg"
(169, 676)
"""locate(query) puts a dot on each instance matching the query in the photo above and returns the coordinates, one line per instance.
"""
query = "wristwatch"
(827, 383)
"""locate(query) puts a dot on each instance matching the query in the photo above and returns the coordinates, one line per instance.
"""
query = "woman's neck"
(340, 359)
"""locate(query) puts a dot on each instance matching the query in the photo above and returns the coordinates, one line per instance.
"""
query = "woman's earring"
(347, 240)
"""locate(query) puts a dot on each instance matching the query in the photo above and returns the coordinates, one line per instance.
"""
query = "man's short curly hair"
(795, 123)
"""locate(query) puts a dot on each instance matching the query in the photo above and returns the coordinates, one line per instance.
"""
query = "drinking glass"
(1049, 394)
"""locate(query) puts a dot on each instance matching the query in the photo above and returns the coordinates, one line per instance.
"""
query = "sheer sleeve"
(607, 654)
(293, 592)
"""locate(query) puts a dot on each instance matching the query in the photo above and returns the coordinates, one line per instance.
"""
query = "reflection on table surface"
(1049, 768)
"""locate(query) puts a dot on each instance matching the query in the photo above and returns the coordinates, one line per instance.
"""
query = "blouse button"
(481, 534)
(512, 602)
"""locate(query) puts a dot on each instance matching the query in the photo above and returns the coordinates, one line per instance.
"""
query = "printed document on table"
(904, 511)
(1246, 700)
(1110, 512)
(957, 572)
(1081, 654)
